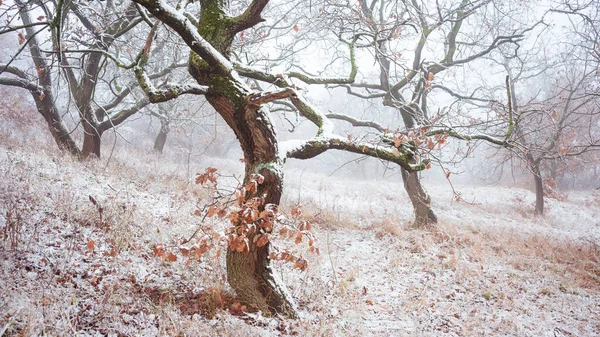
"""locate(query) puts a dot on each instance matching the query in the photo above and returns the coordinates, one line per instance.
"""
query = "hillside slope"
(490, 268)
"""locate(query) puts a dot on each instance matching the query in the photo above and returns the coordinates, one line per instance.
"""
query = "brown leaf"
(259, 178)
(21, 38)
(212, 210)
(159, 250)
(296, 29)
(430, 76)
(296, 211)
(184, 251)
(298, 238)
(301, 264)
(91, 245)
(238, 309)
(243, 246)
(234, 217)
(430, 144)
(252, 187)
(263, 240)
(171, 257)
(239, 195)
(397, 141)
(202, 249)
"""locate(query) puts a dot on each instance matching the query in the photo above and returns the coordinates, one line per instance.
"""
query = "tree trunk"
(62, 137)
(250, 274)
(161, 138)
(421, 201)
(539, 190)
(92, 140)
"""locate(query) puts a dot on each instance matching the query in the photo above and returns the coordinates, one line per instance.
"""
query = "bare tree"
(555, 97)
(440, 39)
(86, 54)
(245, 111)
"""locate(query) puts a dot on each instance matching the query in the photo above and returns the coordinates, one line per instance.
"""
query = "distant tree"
(555, 98)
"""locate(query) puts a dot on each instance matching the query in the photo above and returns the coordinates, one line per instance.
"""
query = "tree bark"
(249, 274)
(539, 190)
(161, 138)
(44, 99)
(419, 198)
(62, 136)
(92, 141)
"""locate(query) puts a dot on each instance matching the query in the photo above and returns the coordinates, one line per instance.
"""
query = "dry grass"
(576, 262)
(374, 277)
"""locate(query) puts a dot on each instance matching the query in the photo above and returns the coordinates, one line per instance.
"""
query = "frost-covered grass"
(491, 268)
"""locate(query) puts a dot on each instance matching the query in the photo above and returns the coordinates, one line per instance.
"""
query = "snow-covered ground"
(490, 268)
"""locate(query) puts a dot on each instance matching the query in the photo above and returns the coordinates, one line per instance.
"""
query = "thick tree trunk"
(161, 138)
(92, 141)
(250, 274)
(419, 198)
(539, 190)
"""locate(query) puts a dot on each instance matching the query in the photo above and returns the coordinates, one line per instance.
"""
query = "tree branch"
(357, 122)
(250, 17)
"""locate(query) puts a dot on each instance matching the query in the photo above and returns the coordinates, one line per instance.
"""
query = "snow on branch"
(265, 97)
(318, 145)
(325, 139)
(170, 91)
(22, 83)
(170, 16)
(13, 70)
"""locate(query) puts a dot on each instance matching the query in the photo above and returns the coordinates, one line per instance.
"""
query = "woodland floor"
(488, 269)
